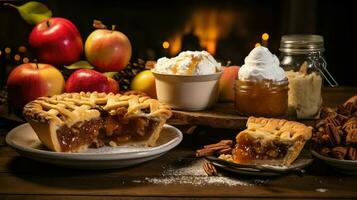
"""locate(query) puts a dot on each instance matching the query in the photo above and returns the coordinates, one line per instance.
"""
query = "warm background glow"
(25, 60)
(208, 25)
(7, 50)
(165, 44)
(265, 36)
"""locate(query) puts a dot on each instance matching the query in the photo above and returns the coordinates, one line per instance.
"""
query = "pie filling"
(106, 130)
(131, 129)
(249, 149)
(79, 134)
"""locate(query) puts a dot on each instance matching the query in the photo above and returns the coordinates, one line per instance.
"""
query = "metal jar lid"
(301, 44)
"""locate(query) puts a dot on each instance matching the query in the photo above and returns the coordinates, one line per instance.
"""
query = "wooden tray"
(222, 115)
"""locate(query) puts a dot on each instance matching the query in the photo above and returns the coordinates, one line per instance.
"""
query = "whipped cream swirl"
(188, 63)
(261, 64)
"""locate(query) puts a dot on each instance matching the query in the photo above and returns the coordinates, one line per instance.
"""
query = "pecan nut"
(334, 134)
(326, 112)
(333, 120)
(339, 152)
(344, 110)
(325, 140)
(325, 151)
(350, 124)
(352, 153)
(210, 169)
(351, 137)
(341, 118)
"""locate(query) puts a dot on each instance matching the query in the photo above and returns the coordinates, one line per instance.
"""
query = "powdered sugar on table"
(191, 172)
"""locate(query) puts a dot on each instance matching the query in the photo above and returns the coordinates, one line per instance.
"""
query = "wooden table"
(21, 178)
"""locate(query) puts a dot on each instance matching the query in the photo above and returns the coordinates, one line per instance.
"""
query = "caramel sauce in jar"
(261, 98)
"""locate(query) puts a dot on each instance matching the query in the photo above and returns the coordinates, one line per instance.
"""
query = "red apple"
(30, 81)
(113, 84)
(56, 41)
(87, 80)
(108, 50)
(226, 83)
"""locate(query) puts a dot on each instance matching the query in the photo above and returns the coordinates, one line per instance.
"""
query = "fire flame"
(209, 25)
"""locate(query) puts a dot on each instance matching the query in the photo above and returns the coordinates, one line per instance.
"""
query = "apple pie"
(270, 141)
(71, 122)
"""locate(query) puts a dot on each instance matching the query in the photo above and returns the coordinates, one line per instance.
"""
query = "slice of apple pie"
(270, 141)
(71, 122)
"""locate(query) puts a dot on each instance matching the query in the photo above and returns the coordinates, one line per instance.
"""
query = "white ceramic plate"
(25, 141)
(343, 166)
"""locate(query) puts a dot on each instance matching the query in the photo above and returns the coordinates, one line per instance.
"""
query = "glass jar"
(261, 98)
(303, 60)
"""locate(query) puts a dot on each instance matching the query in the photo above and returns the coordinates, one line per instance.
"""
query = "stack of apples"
(56, 43)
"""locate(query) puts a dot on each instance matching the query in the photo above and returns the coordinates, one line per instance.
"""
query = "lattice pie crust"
(71, 122)
(270, 141)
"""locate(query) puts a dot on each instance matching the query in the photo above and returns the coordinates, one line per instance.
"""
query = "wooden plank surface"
(224, 115)
(22, 178)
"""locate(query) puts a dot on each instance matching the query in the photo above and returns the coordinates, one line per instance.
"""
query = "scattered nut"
(210, 169)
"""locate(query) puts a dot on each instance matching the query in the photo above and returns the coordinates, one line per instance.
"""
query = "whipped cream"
(188, 63)
(260, 64)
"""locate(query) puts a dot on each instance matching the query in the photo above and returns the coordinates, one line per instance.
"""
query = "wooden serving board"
(222, 115)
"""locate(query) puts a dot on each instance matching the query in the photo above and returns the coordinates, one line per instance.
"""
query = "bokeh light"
(265, 36)
(165, 44)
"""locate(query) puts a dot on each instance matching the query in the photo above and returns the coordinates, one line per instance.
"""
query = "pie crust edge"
(292, 131)
(45, 124)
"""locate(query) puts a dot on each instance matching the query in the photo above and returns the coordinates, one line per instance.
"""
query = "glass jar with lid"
(301, 56)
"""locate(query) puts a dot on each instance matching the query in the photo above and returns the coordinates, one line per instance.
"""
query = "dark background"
(237, 26)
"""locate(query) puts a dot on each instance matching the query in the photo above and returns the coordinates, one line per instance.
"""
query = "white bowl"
(187, 92)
